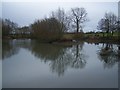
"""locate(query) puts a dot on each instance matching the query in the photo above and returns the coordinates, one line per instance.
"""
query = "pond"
(30, 64)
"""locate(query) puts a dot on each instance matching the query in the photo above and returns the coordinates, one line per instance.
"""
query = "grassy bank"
(93, 37)
(69, 37)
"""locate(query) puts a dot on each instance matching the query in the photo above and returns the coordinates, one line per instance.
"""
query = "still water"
(30, 64)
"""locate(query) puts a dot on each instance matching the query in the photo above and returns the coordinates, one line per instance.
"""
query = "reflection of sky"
(24, 13)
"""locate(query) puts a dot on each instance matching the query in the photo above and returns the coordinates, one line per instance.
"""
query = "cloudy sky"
(26, 12)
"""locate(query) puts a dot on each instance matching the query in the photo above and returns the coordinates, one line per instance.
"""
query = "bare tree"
(61, 16)
(118, 24)
(78, 17)
(111, 21)
(108, 23)
(102, 26)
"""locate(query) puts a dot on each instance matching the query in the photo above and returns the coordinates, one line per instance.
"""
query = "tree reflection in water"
(8, 49)
(70, 58)
(60, 56)
(12, 47)
(108, 55)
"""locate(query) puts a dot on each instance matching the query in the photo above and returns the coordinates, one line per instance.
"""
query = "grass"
(68, 36)
(101, 34)
(92, 37)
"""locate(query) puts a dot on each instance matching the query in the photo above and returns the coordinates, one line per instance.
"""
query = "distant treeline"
(58, 23)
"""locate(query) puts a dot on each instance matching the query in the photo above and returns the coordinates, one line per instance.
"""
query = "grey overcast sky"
(25, 13)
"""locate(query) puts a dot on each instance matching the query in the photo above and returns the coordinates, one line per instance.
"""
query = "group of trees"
(53, 27)
(109, 24)
(73, 20)
(49, 28)
(8, 27)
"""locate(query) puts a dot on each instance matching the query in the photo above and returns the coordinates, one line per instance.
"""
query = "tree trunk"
(77, 25)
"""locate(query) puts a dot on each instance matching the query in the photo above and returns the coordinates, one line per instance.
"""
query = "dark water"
(30, 64)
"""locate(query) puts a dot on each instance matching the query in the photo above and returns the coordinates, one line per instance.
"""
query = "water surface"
(30, 64)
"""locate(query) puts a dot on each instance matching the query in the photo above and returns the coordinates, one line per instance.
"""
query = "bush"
(48, 30)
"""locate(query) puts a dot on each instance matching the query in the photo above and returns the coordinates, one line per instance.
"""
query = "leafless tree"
(61, 16)
(108, 23)
(78, 18)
